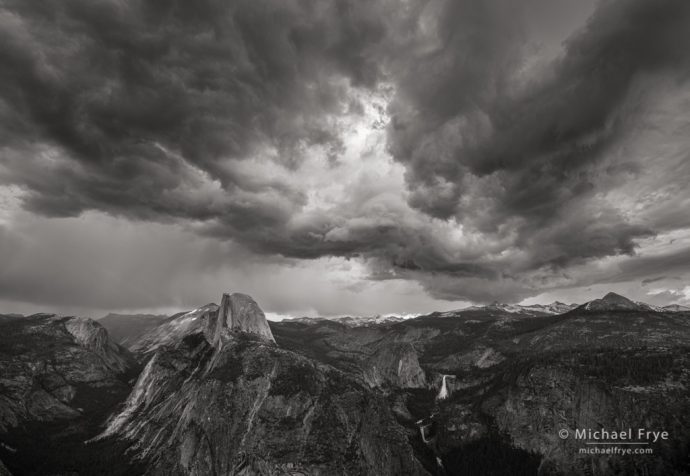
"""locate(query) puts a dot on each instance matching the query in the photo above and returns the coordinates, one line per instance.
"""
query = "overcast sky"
(342, 157)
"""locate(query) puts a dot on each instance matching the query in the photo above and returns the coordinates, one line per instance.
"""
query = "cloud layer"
(486, 149)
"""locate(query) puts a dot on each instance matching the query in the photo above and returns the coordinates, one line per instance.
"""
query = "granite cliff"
(60, 377)
(514, 379)
(224, 399)
(483, 390)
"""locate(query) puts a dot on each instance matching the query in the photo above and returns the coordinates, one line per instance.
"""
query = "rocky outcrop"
(239, 313)
(219, 397)
(175, 329)
(49, 364)
(517, 380)
(553, 397)
(484, 389)
(525, 404)
(59, 379)
(93, 336)
(395, 365)
(475, 357)
(247, 407)
(236, 313)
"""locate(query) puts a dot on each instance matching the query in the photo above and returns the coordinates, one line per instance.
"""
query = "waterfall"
(443, 393)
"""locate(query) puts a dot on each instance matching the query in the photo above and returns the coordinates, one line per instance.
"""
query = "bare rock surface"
(239, 312)
(395, 365)
(236, 313)
(174, 329)
(248, 407)
(93, 336)
(50, 364)
(60, 377)
(513, 380)
(226, 392)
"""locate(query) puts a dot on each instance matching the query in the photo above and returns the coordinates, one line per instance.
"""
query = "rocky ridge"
(59, 379)
(290, 414)
(236, 313)
(508, 383)
(395, 365)
(93, 336)
(239, 313)
(226, 392)
(173, 329)
(616, 302)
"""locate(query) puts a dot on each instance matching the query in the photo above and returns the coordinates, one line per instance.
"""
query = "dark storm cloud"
(140, 97)
(202, 113)
(539, 153)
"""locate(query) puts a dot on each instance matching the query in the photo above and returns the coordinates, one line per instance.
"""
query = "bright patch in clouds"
(384, 158)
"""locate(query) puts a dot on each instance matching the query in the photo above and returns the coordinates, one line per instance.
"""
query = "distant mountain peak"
(237, 312)
(613, 297)
(615, 302)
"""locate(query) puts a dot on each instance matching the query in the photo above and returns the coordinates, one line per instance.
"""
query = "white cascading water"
(443, 393)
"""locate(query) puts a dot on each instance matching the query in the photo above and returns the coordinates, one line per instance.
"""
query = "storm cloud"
(479, 150)
(485, 149)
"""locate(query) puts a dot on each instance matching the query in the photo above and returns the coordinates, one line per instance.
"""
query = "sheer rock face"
(239, 312)
(60, 377)
(219, 397)
(247, 407)
(553, 396)
(236, 313)
(93, 336)
(532, 398)
(518, 381)
(58, 369)
(395, 365)
(176, 328)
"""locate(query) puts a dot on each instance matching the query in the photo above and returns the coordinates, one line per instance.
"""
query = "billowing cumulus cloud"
(475, 149)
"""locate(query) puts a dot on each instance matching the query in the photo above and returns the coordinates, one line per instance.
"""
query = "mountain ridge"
(290, 414)
(224, 391)
(615, 302)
